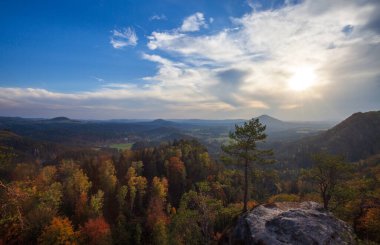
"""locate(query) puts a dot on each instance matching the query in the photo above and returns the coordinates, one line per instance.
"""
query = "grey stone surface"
(291, 223)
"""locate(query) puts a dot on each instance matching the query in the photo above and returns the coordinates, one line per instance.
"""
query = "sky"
(207, 59)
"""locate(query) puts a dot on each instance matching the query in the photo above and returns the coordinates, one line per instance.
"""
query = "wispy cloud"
(123, 38)
(98, 79)
(254, 5)
(158, 17)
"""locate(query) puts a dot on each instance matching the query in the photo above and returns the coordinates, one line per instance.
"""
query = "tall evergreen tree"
(243, 147)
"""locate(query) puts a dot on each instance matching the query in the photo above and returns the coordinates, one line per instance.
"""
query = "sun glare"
(302, 79)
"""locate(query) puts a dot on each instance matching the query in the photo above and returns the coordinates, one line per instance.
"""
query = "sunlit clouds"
(295, 62)
(302, 79)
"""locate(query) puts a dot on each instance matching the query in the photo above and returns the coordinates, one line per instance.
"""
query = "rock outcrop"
(290, 223)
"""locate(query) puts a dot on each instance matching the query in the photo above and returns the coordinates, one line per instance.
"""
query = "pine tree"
(243, 147)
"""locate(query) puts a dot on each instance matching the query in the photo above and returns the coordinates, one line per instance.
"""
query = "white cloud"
(244, 70)
(123, 38)
(218, 48)
(269, 47)
(193, 23)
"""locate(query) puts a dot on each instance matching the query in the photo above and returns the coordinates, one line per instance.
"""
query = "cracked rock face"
(291, 223)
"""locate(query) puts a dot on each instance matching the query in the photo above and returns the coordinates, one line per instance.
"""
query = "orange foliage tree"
(96, 232)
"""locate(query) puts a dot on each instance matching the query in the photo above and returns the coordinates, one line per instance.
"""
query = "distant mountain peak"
(162, 122)
(60, 119)
(159, 121)
(268, 118)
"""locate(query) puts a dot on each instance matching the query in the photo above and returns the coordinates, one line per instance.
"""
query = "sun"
(302, 79)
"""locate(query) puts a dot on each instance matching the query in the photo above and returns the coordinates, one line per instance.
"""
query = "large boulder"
(290, 223)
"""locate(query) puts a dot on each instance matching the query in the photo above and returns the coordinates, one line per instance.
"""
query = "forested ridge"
(172, 193)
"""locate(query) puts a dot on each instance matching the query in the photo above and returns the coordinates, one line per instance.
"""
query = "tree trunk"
(326, 199)
(325, 204)
(245, 186)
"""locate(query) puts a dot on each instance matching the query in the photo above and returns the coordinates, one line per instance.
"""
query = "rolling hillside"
(356, 138)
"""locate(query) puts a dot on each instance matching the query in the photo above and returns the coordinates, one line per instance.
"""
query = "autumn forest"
(174, 192)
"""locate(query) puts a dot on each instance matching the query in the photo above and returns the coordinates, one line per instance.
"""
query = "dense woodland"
(171, 193)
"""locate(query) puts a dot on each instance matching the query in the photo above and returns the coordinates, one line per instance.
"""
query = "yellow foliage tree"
(59, 232)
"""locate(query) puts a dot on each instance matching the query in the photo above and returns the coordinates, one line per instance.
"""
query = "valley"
(123, 165)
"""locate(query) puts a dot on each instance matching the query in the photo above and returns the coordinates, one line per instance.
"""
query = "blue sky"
(65, 45)
(297, 60)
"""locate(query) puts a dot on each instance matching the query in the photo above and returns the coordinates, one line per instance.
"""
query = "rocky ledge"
(290, 223)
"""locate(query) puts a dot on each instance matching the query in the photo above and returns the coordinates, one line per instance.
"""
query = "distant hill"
(94, 133)
(274, 124)
(55, 119)
(162, 122)
(212, 133)
(357, 137)
(285, 127)
(61, 120)
(268, 119)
